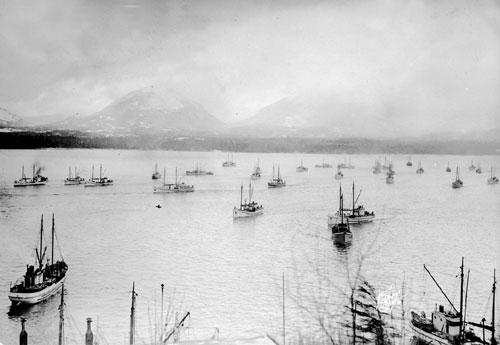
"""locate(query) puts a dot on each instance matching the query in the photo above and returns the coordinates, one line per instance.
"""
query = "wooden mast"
(132, 316)
(493, 340)
(61, 317)
(53, 230)
(460, 334)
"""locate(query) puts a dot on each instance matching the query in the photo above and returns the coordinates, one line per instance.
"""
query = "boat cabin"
(446, 322)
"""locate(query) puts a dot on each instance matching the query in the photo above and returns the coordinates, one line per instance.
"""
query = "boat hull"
(36, 297)
(237, 213)
(29, 184)
(275, 185)
(342, 237)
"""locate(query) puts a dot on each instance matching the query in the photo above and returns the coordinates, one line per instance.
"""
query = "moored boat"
(339, 175)
(493, 179)
(377, 167)
(357, 215)
(479, 170)
(390, 175)
(248, 208)
(409, 163)
(276, 182)
(100, 181)
(323, 165)
(229, 162)
(345, 165)
(448, 169)
(448, 327)
(471, 166)
(42, 281)
(458, 183)
(341, 232)
(420, 170)
(301, 168)
(36, 180)
(73, 180)
(198, 171)
(156, 174)
(173, 187)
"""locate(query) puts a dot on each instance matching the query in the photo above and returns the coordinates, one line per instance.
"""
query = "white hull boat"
(248, 208)
(36, 180)
(173, 187)
(276, 182)
(493, 179)
(98, 182)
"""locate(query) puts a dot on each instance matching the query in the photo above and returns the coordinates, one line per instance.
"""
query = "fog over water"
(432, 65)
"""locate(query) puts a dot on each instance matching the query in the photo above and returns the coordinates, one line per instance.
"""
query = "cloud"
(419, 58)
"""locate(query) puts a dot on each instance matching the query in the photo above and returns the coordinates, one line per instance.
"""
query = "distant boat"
(390, 175)
(377, 167)
(276, 182)
(341, 232)
(248, 208)
(301, 168)
(409, 163)
(257, 171)
(479, 170)
(458, 183)
(100, 181)
(339, 175)
(228, 162)
(471, 166)
(73, 180)
(385, 166)
(356, 215)
(323, 165)
(156, 174)
(420, 170)
(448, 327)
(257, 167)
(173, 187)
(345, 165)
(198, 171)
(448, 169)
(493, 179)
(42, 281)
(36, 180)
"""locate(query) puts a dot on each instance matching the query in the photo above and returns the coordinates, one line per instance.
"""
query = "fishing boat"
(73, 180)
(458, 183)
(357, 215)
(323, 165)
(301, 168)
(385, 166)
(156, 174)
(479, 170)
(493, 179)
(248, 208)
(100, 181)
(198, 171)
(448, 169)
(276, 182)
(390, 175)
(341, 232)
(173, 187)
(256, 174)
(448, 327)
(471, 166)
(377, 167)
(409, 163)
(339, 175)
(229, 162)
(40, 280)
(345, 165)
(420, 170)
(36, 180)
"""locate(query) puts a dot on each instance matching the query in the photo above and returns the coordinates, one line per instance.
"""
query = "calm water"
(227, 273)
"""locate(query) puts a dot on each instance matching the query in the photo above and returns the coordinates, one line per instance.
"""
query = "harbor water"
(229, 273)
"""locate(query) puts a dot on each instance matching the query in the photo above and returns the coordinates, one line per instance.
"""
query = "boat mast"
(69, 169)
(40, 258)
(53, 230)
(352, 193)
(132, 315)
(493, 340)
(341, 207)
(100, 172)
(33, 171)
(461, 299)
(241, 197)
(164, 176)
(250, 191)
(92, 172)
(24, 176)
(61, 317)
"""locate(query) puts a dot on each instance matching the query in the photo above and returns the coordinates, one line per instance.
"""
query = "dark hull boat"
(43, 281)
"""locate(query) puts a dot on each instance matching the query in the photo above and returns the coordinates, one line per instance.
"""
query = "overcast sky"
(419, 58)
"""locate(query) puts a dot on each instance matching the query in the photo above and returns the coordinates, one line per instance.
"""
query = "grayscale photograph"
(249, 172)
